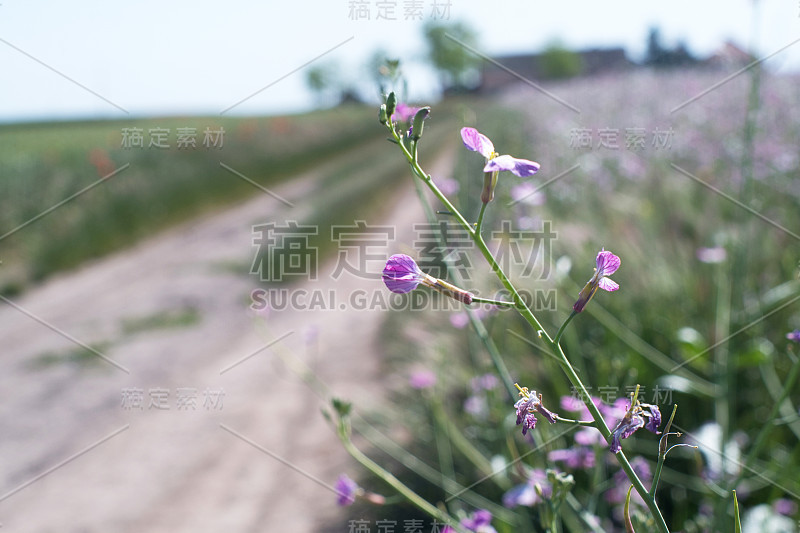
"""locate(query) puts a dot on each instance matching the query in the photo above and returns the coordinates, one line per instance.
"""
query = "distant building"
(531, 66)
(729, 56)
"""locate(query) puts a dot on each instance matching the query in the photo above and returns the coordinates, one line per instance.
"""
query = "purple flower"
(576, 458)
(590, 437)
(638, 416)
(404, 113)
(401, 274)
(480, 521)
(422, 379)
(784, 506)
(526, 494)
(794, 335)
(712, 255)
(478, 142)
(574, 404)
(448, 186)
(525, 407)
(476, 405)
(654, 418)
(347, 489)
(607, 264)
(484, 382)
(459, 320)
(612, 414)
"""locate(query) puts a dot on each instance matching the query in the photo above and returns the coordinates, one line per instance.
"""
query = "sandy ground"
(75, 459)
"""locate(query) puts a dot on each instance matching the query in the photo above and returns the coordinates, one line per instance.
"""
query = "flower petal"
(549, 415)
(401, 274)
(653, 418)
(346, 490)
(479, 518)
(607, 263)
(524, 494)
(404, 112)
(521, 167)
(608, 284)
(625, 428)
(477, 142)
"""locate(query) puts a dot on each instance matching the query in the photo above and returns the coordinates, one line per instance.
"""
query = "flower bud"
(419, 121)
(383, 117)
(489, 183)
(391, 104)
(585, 295)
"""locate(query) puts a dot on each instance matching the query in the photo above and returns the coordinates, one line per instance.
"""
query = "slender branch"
(501, 303)
(479, 223)
(522, 308)
(475, 322)
(557, 338)
(392, 481)
(662, 452)
(526, 313)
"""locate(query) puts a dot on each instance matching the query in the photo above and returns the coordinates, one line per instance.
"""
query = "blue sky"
(182, 57)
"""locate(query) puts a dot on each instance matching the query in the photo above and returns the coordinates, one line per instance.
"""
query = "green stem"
(526, 313)
(474, 321)
(501, 303)
(476, 237)
(767, 425)
(479, 223)
(463, 444)
(557, 338)
(724, 369)
(601, 425)
(554, 522)
(584, 423)
(393, 482)
(443, 441)
(662, 453)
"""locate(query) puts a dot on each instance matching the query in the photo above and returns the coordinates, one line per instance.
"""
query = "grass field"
(47, 163)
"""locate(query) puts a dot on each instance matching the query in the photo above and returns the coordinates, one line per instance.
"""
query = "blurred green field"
(46, 163)
(707, 230)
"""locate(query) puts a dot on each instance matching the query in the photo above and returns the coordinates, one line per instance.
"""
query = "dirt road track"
(179, 469)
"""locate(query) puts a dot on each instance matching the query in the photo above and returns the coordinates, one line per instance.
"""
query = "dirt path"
(73, 458)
